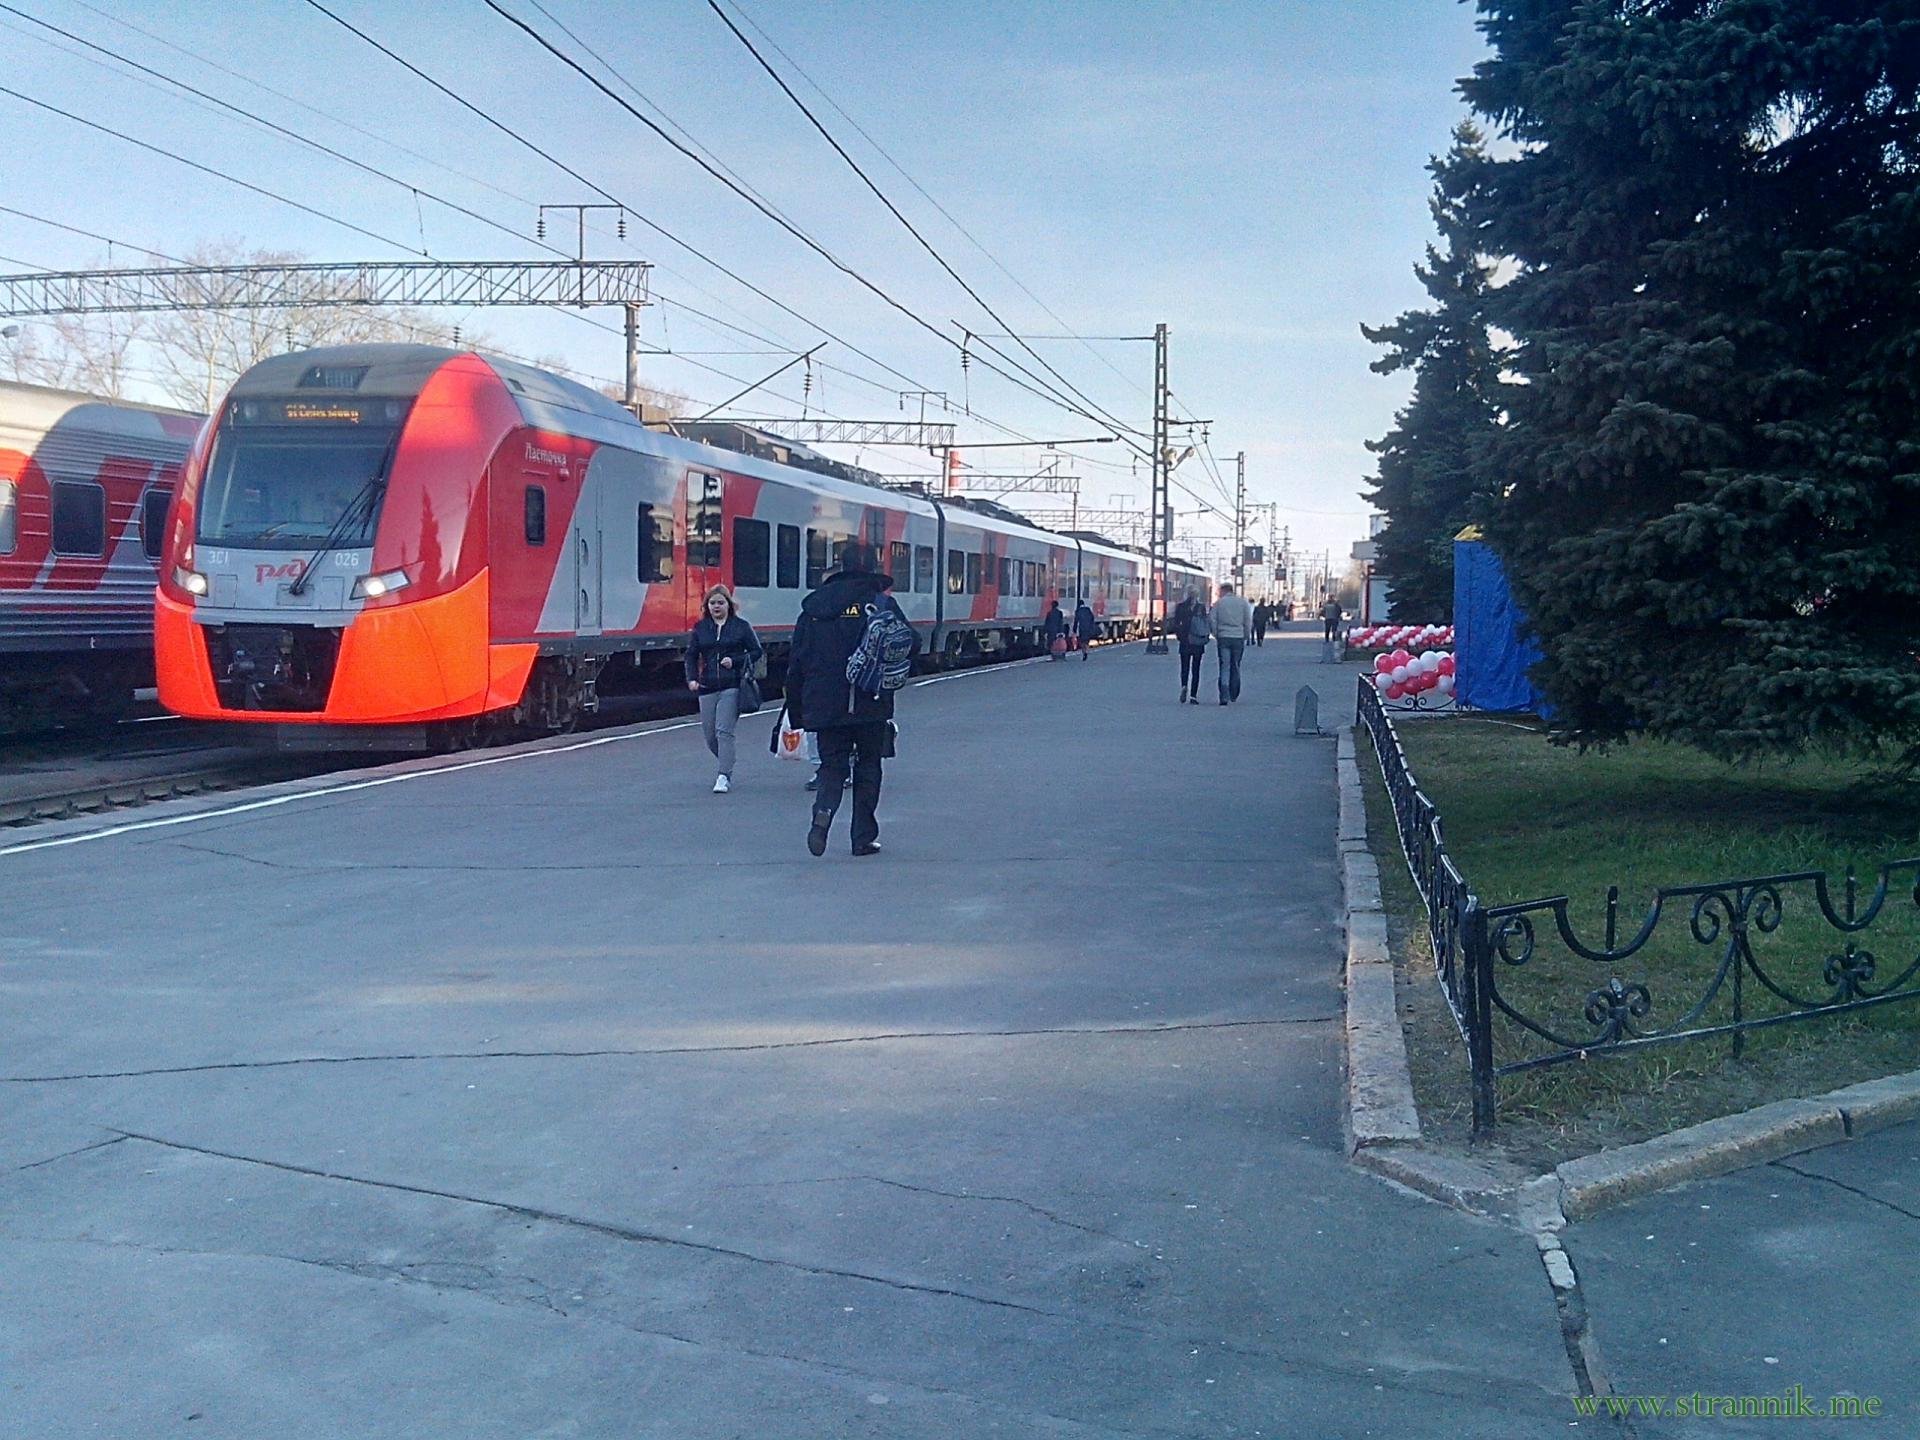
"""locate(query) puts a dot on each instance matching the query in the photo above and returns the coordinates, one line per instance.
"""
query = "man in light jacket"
(1232, 623)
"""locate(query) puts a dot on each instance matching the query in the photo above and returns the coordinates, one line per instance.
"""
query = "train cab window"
(79, 519)
(900, 564)
(923, 569)
(536, 515)
(752, 540)
(703, 528)
(654, 544)
(973, 574)
(819, 553)
(956, 573)
(9, 516)
(153, 521)
(1006, 576)
(787, 558)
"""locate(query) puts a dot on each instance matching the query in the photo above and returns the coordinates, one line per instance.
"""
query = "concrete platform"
(556, 1096)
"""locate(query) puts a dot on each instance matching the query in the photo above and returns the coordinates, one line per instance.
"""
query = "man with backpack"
(1192, 629)
(852, 649)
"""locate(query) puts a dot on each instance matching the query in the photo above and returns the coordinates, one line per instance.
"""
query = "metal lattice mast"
(455, 283)
(1162, 505)
(1240, 522)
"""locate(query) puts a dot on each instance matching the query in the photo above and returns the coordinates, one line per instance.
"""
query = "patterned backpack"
(883, 659)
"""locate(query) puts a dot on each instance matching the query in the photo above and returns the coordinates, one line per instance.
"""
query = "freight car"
(84, 491)
(403, 546)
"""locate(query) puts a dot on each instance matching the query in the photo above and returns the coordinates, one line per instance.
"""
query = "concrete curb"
(1383, 1123)
(1380, 1108)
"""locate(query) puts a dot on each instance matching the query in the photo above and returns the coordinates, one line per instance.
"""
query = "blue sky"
(1249, 173)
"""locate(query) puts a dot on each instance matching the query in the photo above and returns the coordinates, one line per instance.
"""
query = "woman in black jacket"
(721, 651)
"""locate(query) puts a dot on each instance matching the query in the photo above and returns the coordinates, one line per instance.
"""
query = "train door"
(706, 568)
(588, 567)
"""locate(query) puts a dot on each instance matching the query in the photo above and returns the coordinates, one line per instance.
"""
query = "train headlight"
(372, 587)
(191, 581)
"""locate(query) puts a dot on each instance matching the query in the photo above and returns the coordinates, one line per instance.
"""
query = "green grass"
(1525, 820)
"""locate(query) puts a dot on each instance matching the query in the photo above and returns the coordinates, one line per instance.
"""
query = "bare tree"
(72, 352)
(668, 402)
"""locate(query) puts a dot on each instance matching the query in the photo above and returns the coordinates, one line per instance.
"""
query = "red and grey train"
(394, 546)
(84, 491)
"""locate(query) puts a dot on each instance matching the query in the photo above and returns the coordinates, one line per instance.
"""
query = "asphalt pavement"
(545, 1093)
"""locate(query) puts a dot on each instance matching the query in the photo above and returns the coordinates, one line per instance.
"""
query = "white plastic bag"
(789, 743)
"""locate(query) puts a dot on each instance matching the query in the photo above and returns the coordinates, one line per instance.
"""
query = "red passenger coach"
(392, 546)
(84, 488)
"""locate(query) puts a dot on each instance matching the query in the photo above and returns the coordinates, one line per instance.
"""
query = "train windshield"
(282, 486)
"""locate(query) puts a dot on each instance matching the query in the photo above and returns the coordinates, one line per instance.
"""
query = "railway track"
(66, 802)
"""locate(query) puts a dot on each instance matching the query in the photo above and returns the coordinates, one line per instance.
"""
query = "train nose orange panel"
(424, 660)
(400, 662)
(185, 675)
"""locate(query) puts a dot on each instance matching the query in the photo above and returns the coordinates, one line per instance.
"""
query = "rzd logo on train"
(292, 570)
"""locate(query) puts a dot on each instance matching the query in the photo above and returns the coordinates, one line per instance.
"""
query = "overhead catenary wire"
(605, 194)
(951, 218)
(912, 229)
(785, 224)
(296, 138)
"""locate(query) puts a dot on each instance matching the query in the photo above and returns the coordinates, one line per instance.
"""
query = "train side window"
(788, 558)
(973, 574)
(819, 552)
(703, 534)
(536, 515)
(79, 519)
(923, 569)
(9, 516)
(751, 541)
(876, 529)
(956, 573)
(654, 547)
(153, 521)
(900, 563)
(1006, 576)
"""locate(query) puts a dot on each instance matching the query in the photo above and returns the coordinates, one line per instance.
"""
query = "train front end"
(325, 562)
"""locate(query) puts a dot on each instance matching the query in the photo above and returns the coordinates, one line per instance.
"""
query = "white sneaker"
(721, 785)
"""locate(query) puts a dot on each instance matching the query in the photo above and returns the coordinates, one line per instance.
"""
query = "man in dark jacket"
(853, 726)
(1086, 626)
(1054, 627)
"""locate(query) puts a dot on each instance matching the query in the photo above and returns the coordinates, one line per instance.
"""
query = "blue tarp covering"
(1491, 654)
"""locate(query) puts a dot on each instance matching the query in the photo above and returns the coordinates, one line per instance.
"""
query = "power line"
(210, 170)
(952, 219)
(785, 224)
(895, 211)
(454, 171)
(653, 225)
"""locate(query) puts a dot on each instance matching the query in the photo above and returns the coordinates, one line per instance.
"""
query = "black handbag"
(750, 699)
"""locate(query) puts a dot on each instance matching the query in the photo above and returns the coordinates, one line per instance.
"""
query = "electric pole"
(1240, 522)
(1162, 506)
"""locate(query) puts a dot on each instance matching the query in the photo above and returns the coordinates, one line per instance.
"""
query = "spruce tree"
(1427, 486)
(1709, 474)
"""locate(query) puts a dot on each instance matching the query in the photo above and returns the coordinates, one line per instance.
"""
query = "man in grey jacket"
(1232, 623)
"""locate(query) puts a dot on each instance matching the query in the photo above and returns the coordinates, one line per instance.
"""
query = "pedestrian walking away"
(1054, 628)
(1232, 623)
(1331, 614)
(1262, 613)
(852, 649)
(722, 650)
(1192, 628)
(1085, 627)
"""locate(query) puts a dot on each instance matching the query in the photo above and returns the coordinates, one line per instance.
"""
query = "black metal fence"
(1646, 989)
